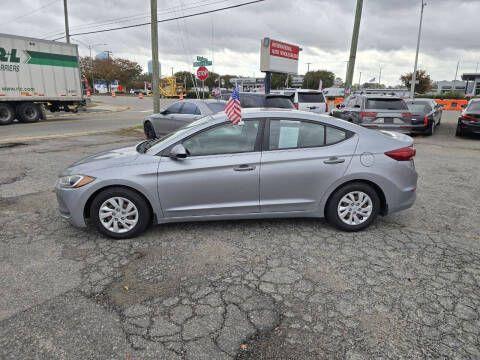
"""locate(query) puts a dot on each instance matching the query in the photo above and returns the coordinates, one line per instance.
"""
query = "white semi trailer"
(35, 75)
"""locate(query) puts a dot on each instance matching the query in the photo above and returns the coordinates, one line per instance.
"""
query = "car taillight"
(425, 120)
(368, 114)
(402, 154)
(296, 105)
(469, 118)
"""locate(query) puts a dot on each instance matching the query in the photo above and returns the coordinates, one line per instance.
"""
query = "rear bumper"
(405, 129)
(405, 198)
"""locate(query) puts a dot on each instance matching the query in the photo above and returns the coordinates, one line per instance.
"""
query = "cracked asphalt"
(406, 288)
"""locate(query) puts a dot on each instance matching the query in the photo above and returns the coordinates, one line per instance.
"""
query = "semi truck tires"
(7, 114)
(29, 112)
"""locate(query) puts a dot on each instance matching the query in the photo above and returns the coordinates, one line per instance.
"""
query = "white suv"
(308, 100)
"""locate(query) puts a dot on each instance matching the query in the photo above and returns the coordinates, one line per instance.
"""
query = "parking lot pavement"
(408, 287)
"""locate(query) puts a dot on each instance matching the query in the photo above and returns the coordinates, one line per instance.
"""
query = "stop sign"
(202, 73)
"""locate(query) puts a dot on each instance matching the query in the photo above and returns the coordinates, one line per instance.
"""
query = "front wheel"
(459, 131)
(120, 213)
(149, 130)
(353, 207)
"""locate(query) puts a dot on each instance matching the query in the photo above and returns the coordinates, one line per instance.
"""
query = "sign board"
(297, 80)
(202, 73)
(201, 61)
(277, 56)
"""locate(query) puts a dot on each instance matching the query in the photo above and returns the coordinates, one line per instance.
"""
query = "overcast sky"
(388, 33)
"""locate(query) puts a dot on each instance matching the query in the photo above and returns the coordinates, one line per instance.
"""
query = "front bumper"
(469, 127)
(71, 204)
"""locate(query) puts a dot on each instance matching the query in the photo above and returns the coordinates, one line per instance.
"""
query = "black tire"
(459, 132)
(333, 204)
(29, 112)
(7, 114)
(431, 128)
(149, 130)
(144, 212)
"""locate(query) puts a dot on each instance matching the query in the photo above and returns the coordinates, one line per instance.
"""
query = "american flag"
(233, 108)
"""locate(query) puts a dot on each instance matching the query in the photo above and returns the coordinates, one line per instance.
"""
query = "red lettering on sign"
(281, 49)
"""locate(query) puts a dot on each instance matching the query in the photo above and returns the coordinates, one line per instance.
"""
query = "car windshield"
(418, 107)
(216, 107)
(147, 144)
(279, 102)
(474, 106)
(386, 104)
(310, 97)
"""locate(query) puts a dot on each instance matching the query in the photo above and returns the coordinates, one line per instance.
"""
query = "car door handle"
(244, 167)
(334, 160)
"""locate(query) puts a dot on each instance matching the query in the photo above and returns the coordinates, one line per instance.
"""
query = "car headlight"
(75, 181)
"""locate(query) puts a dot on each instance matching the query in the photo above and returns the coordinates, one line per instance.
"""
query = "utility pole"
(359, 80)
(455, 79)
(308, 70)
(380, 77)
(476, 68)
(65, 12)
(414, 74)
(155, 65)
(353, 46)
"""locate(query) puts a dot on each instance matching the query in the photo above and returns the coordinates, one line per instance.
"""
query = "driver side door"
(220, 176)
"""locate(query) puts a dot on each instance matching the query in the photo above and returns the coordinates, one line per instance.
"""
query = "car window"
(474, 106)
(351, 102)
(224, 139)
(189, 108)
(279, 102)
(310, 97)
(418, 108)
(251, 101)
(175, 108)
(334, 135)
(216, 107)
(386, 104)
(293, 134)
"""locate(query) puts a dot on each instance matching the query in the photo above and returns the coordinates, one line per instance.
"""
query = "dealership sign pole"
(277, 57)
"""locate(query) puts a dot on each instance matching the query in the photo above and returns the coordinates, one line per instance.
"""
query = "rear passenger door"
(300, 160)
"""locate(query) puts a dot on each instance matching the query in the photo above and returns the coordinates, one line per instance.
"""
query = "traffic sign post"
(202, 75)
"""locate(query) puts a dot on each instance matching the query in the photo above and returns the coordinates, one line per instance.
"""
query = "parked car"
(138, 91)
(469, 120)
(262, 100)
(376, 112)
(308, 100)
(179, 114)
(278, 163)
(426, 115)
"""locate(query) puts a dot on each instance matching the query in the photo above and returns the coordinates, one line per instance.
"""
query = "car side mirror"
(178, 152)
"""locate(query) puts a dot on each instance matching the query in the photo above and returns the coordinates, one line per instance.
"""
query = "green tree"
(424, 82)
(279, 81)
(312, 79)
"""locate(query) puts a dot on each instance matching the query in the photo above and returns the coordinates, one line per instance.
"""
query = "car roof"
(263, 94)
(203, 101)
(373, 96)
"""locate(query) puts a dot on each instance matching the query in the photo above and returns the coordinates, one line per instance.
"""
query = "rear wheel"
(120, 213)
(29, 112)
(431, 128)
(149, 130)
(7, 114)
(353, 207)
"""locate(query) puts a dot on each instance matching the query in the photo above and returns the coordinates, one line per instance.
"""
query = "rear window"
(474, 106)
(419, 108)
(386, 104)
(216, 107)
(279, 102)
(310, 97)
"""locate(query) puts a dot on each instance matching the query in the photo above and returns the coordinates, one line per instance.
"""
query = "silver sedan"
(278, 163)
(179, 114)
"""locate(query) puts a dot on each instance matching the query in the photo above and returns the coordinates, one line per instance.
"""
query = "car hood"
(105, 159)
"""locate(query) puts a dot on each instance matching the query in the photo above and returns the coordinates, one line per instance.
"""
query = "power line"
(124, 19)
(166, 20)
(30, 13)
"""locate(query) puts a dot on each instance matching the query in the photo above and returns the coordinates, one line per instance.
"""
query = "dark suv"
(377, 112)
(469, 120)
(260, 100)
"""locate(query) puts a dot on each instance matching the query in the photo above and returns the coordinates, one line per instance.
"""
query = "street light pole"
(353, 46)
(414, 74)
(308, 70)
(67, 30)
(155, 64)
(380, 77)
(455, 79)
